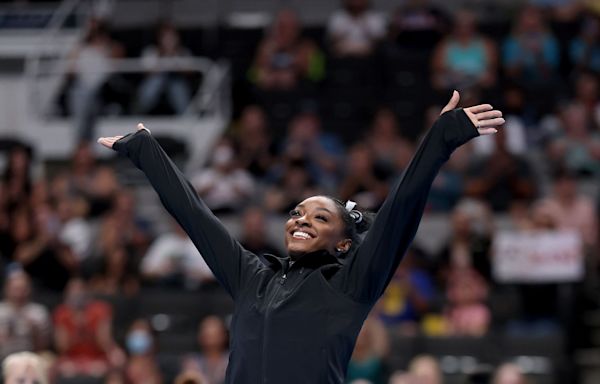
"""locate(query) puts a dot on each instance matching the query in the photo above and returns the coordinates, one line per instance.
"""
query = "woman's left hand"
(483, 116)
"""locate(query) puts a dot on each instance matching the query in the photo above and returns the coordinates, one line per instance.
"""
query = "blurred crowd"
(77, 231)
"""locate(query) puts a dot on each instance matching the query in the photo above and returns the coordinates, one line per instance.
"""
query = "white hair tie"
(355, 214)
(350, 205)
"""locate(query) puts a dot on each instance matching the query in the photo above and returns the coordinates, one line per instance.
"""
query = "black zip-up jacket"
(299, 324)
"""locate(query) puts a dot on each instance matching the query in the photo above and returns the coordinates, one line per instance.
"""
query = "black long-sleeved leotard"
(299, 324)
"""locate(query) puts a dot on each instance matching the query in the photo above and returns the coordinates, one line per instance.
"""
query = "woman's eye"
(294, 213)
(322, 218)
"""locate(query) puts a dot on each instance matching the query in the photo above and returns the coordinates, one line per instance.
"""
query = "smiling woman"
(297, 318)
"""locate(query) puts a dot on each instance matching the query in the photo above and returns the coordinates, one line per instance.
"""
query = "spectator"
(254, 236)
(44, 257)
(364, 182)
(501, 178)
(161, 77)
(587, 93)
(116, 275)
(211, 363)
(354, 30)
(75, 231)
(572, 210)
(469, 243)
(24, 325)
(531, 53)
(173, 260)
(90, 66)
(322, 151)
(24, 367)
(426, 369)
(189, 377)
(575, 144)
(255, 148)
(467, 315)
(417, 25)
(465, 58)
(509, 373)
(584, 50)
(284, 58)
(403, 378)
(83, 334)
(142, 366)
(372, 346)
(386, 141)
(408, 297)
(224, 186)
(17, 177)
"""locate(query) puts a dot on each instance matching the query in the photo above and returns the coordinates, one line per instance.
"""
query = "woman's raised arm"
(370, 268)
(228, 260)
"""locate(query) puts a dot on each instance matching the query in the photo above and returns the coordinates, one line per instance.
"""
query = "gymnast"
(296, 318)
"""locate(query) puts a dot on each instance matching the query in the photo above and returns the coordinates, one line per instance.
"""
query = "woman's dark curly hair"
(356, 222)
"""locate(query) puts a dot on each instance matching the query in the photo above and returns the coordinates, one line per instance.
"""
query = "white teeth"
(301, 235)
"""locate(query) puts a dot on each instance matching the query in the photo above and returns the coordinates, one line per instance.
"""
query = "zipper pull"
(283, 278)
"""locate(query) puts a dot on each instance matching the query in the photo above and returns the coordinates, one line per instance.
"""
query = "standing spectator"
(255, 148)
(174, 260)
(24, 367)
(531, 53)
(465, 58)
(90, 66)
(372, 346)
(584, 50)
(572, 210)
(224, 186)
(212, 360)
(24, 326)
(171, 81)
(83, 334)
(254, 236)
(284, 58)
(142, 366)
(354, 30)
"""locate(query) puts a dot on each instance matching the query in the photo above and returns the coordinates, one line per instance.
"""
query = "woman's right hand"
(109, 141)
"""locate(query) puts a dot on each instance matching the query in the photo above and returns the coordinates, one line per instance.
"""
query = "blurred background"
(263, 103)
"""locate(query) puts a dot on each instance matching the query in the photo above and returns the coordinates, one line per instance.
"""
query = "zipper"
(265, 323)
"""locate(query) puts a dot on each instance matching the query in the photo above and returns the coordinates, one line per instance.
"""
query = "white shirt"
(227, 190)
(359, 31)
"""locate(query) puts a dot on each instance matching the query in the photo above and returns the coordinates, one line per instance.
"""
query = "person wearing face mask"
(141, 366)
(296, 318)
(173, 83)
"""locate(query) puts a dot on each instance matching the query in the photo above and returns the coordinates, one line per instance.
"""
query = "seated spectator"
(587, 94)
(89, 68)
(426, 369)
(386, 140)
(173, 260)
(365, 183)
(403, 378)
(255, 147)
(142, 365)
(116, 274)
(354, 30)
(466, 314)
(372, 346)
(569, 209)
(75, 231)
(24, 367)
(48, 261)
(409, 296)
(284, 58)
(254, 236)
(83, 334)
(189, 377)
(531, 53)
(470, 240)
(417, 25)
(223, 185)
(24, 325)
(211, 362)
(509, 373)
(321, 151)
(173, 82)
(465, 58)
(584, 49)
(500, 178)
(574, 143)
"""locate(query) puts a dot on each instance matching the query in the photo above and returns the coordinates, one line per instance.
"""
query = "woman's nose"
(301, 221)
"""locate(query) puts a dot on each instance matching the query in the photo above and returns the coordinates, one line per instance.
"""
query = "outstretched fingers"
(109, 141)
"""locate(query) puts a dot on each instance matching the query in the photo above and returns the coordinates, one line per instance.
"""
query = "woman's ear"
(343, 246)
